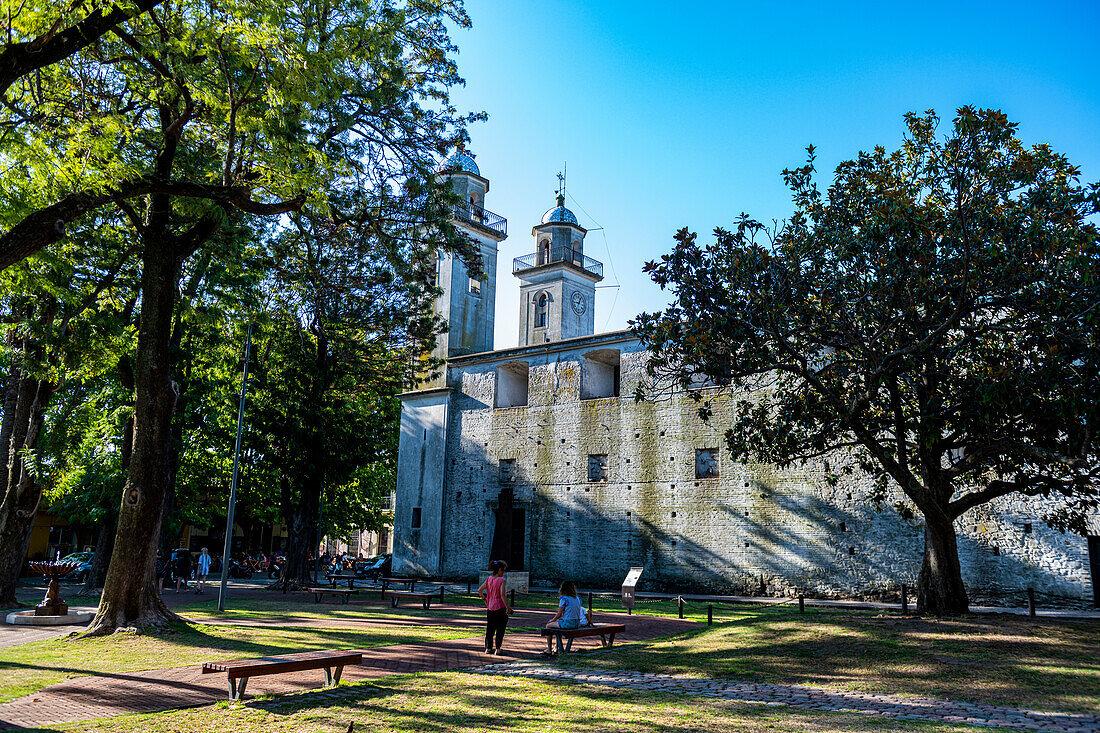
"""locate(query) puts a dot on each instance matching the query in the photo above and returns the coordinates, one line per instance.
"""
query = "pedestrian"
(570, 615)
(202, 571)
(496, 605)
(181, 567)
(161, 569)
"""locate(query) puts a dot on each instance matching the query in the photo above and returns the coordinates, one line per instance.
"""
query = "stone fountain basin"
(72, 618)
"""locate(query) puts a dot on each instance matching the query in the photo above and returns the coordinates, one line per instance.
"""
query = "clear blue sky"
(684, 114)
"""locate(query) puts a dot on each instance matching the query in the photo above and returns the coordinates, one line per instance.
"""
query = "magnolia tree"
(933, 320)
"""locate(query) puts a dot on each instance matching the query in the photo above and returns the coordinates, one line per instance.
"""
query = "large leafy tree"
(933, 321)
(349, 327)
(190, 113)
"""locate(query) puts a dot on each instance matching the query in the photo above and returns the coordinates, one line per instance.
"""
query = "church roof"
(460, 161)
(559, 214)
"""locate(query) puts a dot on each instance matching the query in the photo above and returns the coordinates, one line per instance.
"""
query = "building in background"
(540, 455)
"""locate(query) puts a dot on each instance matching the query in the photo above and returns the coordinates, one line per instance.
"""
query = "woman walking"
(496, 604)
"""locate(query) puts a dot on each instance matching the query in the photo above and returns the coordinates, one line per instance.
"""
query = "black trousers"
(495, 622)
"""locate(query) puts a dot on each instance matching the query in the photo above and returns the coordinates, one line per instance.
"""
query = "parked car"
(380, 568)
(81, 573)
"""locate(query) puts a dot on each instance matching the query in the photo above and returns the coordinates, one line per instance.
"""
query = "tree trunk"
(22, 491)
(940, 589)
(301, 528)
(130, 596)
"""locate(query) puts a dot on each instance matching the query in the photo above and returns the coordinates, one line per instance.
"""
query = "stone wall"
(751, 527)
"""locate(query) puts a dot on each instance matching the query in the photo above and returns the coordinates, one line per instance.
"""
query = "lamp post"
(233, 483)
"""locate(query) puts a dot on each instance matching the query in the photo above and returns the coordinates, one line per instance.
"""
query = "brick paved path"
(896, 707)
(106, 695)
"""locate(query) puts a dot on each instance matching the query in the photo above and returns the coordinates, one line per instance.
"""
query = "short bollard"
(512, 598)
(469, 588)
(710, 615)
(801, 604)
(589, 605)
(680, 601)
(1030, 601)
(441, 594)
(905, 599)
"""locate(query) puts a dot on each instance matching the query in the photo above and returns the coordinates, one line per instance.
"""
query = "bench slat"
(585, 631)
(261, 666)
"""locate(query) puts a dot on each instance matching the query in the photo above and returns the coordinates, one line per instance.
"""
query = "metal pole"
(236, 466)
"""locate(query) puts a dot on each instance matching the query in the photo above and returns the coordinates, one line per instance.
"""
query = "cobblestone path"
(895, 707)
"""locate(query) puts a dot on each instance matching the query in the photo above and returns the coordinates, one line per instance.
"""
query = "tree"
(936, 316)
(350, 326)
(190, 114)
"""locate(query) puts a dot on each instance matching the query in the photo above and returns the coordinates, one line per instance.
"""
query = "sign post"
(629, 585)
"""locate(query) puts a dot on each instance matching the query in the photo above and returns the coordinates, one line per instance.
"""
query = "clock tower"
(557, 281)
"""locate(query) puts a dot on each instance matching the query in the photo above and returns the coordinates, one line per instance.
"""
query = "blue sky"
(684, 114)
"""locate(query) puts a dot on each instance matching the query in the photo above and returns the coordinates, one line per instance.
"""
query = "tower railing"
(478, 216)
(558, 254)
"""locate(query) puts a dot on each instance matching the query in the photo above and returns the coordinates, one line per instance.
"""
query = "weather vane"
(561, 180)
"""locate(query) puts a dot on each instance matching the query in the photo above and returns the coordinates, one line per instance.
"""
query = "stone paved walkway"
(896, 707)
(107, 695)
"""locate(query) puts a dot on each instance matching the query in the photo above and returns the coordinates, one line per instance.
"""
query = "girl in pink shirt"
(496, 604)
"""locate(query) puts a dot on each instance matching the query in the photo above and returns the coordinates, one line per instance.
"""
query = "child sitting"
(570, 615)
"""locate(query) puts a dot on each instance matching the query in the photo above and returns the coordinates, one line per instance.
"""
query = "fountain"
(52, 611)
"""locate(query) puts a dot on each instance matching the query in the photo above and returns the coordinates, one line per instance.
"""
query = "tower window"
(475, 286)
(416, 518)
(542, 307)
(544, 252)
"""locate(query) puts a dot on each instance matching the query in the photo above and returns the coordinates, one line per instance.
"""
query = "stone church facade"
(596, 482)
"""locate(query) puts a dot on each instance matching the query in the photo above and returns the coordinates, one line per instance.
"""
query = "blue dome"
(560, 214)
(460, 161)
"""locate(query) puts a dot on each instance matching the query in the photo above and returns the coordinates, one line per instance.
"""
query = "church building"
(540, 455)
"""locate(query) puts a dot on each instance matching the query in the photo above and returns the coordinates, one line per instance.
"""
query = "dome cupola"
(459, 162)
(559, 214)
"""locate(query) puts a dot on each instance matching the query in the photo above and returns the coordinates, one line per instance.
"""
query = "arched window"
(542, 306)
(544, 252)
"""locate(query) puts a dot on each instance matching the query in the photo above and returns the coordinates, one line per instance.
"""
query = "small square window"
(475, 286)
(706, 463)
(1027, 528)
(597, 467)
(416, 517)
(507, 468)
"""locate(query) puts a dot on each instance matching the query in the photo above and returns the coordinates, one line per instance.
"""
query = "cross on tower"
(561, 184)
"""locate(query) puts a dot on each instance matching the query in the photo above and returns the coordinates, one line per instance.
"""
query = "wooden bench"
(239, 671)
(344, 593)
(333, 577)
(395, 596)
(606, 633)
(408, 584)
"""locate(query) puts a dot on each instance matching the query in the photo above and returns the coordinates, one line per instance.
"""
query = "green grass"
(1004, 659)
(457, 701)
(29, 667)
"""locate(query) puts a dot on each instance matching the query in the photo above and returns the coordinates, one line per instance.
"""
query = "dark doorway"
(1094, 565)
(519, 532)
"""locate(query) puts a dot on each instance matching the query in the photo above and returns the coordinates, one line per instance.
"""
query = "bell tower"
(557, 281)
(468, 304)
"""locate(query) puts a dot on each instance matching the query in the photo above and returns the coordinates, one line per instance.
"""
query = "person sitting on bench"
(570, 615)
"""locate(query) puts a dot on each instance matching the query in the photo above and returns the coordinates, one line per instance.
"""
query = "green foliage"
(935, 315)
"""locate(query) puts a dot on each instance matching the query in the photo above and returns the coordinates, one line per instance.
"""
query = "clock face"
(578, 302)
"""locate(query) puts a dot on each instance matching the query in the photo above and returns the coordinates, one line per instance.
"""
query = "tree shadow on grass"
(1001, 659)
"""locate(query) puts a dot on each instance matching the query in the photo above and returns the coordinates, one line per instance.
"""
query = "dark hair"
(496, 565)
(568, 588)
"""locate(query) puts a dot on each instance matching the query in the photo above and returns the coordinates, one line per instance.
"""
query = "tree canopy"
(933, 320)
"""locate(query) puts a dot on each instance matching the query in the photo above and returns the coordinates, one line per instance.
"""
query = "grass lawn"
(469, 702)
(29, 667)
(1005, 659)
